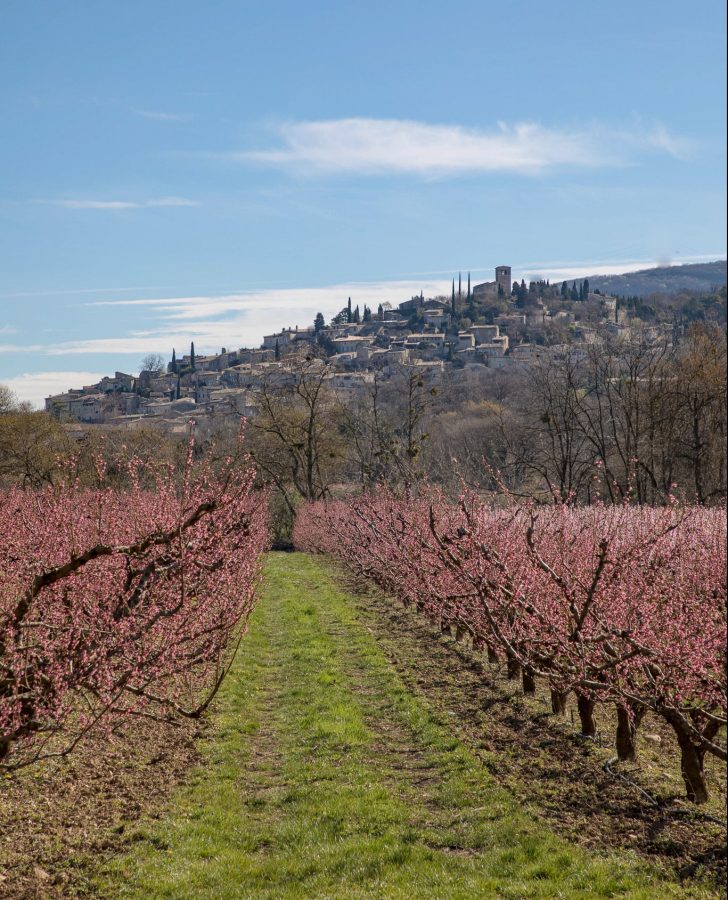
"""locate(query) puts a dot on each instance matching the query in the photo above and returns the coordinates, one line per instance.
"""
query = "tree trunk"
(691, 764)
(585, 705)
(627, 731)
(460, 633)
(529, 683)
(492, 655)
(445, 627)
(558, 702)
(513, 668)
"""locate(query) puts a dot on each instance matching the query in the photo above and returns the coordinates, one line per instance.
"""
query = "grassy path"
(325, 777)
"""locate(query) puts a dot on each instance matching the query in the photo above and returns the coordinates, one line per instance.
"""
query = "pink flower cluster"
(618, 604)
(115, 602)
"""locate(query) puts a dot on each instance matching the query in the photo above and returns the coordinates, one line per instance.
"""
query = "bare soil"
(58, 817)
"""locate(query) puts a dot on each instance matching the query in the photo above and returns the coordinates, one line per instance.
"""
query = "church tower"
(503, 278)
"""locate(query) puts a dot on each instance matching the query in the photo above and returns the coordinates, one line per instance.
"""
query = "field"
(355, 752)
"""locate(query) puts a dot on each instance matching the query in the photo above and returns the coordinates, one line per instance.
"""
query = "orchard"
(622, 605)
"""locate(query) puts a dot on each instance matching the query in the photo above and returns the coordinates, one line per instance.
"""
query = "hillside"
(696, 278)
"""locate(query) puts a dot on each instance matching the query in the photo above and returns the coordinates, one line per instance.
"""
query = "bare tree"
(295, 439)
(543, 433)
(8, 400)
(368, 434)
(153, 362)
(699, 412)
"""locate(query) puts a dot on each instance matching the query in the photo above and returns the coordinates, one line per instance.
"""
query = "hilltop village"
(481, 329)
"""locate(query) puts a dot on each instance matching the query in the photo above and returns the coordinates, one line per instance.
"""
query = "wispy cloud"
(78, 291)
(34, 387)
(239, 319)
(229, 320)
(163, 116)
(121, 204)
(382, 146)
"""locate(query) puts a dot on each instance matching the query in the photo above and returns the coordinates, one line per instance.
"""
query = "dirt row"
(59, 817)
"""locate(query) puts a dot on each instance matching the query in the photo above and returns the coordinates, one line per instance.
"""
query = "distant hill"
(695, 278)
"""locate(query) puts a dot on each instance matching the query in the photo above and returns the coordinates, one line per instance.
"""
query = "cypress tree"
(357, 315)
(277, 351)
(460, 286)
(380, 312)
(468, 287)
(452, 299)
(173, 364)
(192, 356)
(522, 297)
(348, 309)
(319, 323)
(585, 285)
(564, 289)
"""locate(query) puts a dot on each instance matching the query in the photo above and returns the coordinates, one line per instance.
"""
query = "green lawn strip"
(325, 777)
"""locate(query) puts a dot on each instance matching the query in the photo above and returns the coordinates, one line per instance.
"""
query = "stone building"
(500, 287)
(503, 279)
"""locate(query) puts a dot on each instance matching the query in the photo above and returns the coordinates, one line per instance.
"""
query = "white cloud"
(123, 204)
(163, 116)
(22, 348)
(79, 291)
(380, 146)
(97, 204)
(171, 201)
(239, 319)
(34, 387)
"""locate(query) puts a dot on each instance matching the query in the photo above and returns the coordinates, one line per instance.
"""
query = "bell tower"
(503, 279)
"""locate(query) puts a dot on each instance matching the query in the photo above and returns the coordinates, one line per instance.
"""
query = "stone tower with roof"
(503, 279)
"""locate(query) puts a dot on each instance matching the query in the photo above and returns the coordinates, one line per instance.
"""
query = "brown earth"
(58, 817)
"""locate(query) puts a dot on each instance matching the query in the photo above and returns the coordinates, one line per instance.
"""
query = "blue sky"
(177, 170)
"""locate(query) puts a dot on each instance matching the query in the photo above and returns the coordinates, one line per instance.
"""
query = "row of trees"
(621, 605)
(125, 598)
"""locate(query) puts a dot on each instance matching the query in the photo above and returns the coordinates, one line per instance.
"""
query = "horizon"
(255, 166)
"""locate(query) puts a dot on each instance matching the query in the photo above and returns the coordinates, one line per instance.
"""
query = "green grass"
(325, 778)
